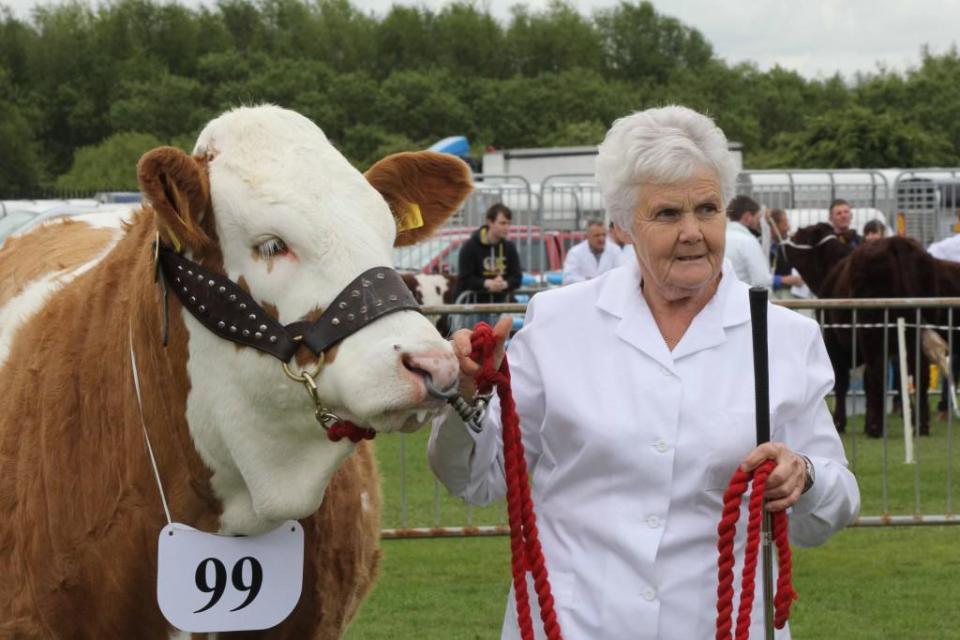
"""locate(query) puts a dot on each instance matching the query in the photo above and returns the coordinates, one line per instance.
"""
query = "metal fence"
(924, 202)
(893, 492)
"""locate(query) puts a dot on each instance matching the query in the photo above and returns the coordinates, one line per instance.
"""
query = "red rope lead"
(785, 594)
(343, 429)
(525, 548)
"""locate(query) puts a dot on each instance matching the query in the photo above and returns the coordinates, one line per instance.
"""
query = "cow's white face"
(296, 224)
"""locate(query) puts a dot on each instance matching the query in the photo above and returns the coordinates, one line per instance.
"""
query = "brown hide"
(79, 507)
(36, 254)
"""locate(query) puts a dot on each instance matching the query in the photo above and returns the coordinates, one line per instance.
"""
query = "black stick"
(761, 377)
(761, 372)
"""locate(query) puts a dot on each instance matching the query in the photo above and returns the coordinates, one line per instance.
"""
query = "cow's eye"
(272, 247)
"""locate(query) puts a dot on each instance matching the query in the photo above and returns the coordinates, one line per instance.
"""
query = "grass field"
(866, 583)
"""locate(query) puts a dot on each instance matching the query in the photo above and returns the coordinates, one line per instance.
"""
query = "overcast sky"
(815, 37)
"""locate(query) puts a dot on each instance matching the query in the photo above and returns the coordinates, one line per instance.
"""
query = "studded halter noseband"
(223, 307)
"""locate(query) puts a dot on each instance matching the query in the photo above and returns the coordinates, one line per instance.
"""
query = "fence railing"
(893, 493)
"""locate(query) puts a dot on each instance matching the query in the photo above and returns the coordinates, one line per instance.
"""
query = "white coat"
(630, 447)
(744, 252)
(580, 263)
(946, 249)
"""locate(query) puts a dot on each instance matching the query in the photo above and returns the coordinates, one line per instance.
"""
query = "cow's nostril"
(442, 368)
(413, 364)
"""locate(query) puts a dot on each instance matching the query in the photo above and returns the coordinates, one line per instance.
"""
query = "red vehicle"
(540, 251)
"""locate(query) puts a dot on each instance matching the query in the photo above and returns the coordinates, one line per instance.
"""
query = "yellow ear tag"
(176, 241)
(412, 218)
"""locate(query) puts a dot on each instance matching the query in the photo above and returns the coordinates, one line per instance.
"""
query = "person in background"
(635, 398)
(779, 231)
(489, 264)
(779, 225)
(947, 249)
(591, 257)
(622, 238)
(743, 250)
(841, 215)
(873, 230)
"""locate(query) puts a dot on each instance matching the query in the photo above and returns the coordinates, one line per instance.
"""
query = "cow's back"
(40, 262)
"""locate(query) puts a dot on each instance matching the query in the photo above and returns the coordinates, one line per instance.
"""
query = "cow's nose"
(441, 366)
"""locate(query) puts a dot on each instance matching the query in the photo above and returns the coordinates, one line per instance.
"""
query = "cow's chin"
(402, 421)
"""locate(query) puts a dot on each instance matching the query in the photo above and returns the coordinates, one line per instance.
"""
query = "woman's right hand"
(463, 347)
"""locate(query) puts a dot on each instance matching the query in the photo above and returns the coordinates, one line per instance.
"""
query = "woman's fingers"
(785, 483)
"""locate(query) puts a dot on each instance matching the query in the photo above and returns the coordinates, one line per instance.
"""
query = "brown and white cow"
(267, 201)
(430, 289)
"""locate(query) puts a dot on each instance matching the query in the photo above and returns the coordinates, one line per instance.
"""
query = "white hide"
(432, 287)
(273, 174)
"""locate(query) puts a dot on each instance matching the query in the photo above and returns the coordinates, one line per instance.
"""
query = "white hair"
(659, 146)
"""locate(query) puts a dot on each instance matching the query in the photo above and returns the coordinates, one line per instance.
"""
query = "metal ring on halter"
(302, 377)
(440, 394)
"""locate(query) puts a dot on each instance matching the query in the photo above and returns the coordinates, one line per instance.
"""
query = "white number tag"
(209, 583)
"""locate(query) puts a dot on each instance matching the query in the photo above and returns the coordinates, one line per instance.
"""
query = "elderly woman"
(635, 394)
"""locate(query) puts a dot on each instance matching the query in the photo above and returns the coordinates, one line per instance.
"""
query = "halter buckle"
(324, 416)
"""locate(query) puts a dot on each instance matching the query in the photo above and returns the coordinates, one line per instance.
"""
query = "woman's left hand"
(785, 483)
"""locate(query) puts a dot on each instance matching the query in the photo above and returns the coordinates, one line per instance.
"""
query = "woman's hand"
(785, 483)
(468, 367)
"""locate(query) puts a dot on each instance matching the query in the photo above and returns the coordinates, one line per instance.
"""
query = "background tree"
(110, 165)
(74, 76)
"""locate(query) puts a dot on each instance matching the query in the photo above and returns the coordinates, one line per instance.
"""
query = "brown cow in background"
(889, 268)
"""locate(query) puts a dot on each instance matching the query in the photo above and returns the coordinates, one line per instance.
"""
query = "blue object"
(522, 298)
(555, 278)
(517, 322)
(454, 145)
(120, 197)
(528, 280)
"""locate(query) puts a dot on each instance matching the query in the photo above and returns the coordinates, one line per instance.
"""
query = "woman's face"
(678, 232)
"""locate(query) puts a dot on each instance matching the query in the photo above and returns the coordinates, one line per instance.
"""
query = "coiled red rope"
(785, 595)
(526, 554)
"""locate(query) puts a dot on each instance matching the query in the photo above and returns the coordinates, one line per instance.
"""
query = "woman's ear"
(423, 189)
(178, 188)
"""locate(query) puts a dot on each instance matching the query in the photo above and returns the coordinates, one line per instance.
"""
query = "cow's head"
(814, 251)
(267, 201)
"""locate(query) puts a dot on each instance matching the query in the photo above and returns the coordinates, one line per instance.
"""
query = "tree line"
(85, 90)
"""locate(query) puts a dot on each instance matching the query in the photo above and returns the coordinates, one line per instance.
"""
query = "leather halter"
(807, 247)
(228, 311)
(224, 308)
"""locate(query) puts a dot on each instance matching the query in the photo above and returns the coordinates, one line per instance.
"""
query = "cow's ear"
(178, 188)
(422, 188)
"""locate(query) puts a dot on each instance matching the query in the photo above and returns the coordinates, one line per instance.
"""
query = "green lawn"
(866, 583)
(870, 584)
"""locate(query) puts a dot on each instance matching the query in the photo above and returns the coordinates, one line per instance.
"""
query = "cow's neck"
(164, 380)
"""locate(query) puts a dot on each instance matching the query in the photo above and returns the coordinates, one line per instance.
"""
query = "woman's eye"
(707, 209)
(271, 248)
(667, 214)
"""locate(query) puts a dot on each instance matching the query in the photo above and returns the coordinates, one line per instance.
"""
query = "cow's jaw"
(255, 428)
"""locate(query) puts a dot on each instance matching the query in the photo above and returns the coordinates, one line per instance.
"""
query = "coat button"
(661, 445)
(653, 521)
(665, 371)
(649, 594)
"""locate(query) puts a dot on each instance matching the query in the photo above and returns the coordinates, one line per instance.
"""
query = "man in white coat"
(595, 255)
(634, 392)
(743, 250)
